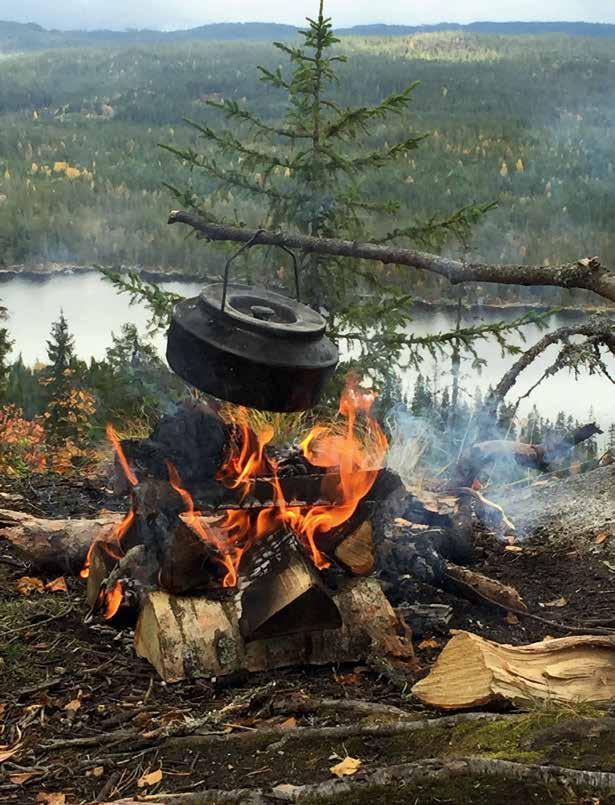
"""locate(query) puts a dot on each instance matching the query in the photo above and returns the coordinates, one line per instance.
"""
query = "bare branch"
(585, 274)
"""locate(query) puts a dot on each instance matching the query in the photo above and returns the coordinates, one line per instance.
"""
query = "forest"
(526, 122)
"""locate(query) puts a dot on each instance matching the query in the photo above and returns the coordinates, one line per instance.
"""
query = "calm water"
(94, 310)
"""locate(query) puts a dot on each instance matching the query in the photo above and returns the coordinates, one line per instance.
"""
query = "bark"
(472, 585)
(586, 273)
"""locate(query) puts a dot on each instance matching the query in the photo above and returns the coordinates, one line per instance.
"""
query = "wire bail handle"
(248, 244)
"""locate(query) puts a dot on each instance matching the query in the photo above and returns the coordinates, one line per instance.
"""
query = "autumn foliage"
(23, 446)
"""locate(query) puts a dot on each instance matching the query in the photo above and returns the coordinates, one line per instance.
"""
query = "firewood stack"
(193, 616)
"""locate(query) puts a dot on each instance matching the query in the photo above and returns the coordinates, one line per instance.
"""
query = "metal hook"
(243, 248)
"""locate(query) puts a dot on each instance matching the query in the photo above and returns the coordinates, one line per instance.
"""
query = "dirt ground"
(91, 722)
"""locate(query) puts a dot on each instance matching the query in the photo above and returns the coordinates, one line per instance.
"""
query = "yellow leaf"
(51, 799)
(27, 585)
(347, 767)
(429, 644)
(558, 602)
(150, 779)
(57, 585)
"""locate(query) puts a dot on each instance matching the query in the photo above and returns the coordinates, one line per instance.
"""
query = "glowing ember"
(113, 600)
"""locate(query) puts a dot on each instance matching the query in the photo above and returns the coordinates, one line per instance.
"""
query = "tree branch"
(601, 327)
(585, 274)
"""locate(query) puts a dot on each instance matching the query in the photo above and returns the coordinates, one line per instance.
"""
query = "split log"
(469, 584)
(185, 637)
(472, 672)
(57, 546)
(281, 590)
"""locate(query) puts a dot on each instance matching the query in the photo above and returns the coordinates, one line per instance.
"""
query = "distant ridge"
(18, 37)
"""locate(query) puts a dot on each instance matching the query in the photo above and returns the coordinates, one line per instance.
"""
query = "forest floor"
(85, 720)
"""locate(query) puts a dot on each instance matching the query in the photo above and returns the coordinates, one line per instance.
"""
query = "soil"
(63, 680)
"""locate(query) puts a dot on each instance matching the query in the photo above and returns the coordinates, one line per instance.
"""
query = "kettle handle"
(243, 248)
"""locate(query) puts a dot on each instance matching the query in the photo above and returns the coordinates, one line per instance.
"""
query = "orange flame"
(115, 441)
(208, 535)
(350, 456)
(112, 544)
(113, 600)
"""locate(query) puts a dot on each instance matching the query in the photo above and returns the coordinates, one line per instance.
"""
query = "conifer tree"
(306, 172)
(61, 354)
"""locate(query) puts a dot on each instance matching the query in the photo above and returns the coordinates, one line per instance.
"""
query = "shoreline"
(44, 272)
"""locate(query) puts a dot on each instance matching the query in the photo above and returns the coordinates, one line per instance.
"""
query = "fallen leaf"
(401, 522)
(289, 724)
(513, 548)
(97, 771)
(6, 753)
(73, 705)
(347, 767)
(51, 799)
(150, 779)
(27, 585)
(512, 619)
(57, 585)
(602, 537)
(22, 777)
(610, 565)
(558, 602)
(353, 678)
(2, 709)
(431, 643)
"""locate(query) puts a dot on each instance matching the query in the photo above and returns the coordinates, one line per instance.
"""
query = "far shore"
(44, 272)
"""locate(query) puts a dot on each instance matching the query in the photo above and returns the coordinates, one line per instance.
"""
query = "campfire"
(227, 534)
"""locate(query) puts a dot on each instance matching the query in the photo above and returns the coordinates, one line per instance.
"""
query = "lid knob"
(262, 312)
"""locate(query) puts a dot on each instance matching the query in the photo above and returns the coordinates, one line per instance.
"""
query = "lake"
(94, 310)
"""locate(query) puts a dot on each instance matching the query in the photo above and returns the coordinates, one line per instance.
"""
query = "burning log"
(55, 545)
(472, 672)
(184, 637)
